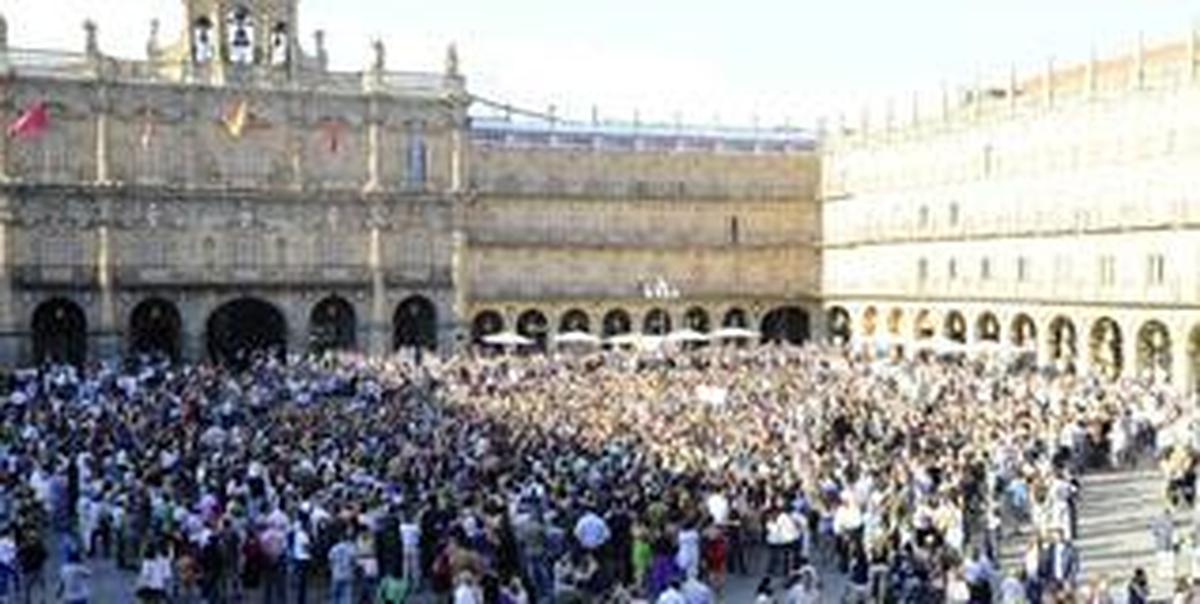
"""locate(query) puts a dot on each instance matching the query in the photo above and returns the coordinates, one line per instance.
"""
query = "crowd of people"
(605, 477)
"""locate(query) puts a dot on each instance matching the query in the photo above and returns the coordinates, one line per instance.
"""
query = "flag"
(235, 119)
(34, 120)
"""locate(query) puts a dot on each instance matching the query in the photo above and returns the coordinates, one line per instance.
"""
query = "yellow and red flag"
(236, 118)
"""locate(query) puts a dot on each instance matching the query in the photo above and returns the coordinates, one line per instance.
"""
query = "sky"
(730, 62)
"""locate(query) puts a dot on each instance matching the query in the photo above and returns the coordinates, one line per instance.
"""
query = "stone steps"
(1116, 512)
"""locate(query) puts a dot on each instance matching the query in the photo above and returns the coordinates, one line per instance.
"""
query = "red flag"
(32, 122)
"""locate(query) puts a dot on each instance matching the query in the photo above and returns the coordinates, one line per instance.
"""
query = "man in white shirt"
(466, 591)
(672, 595)
(341, 570)
(300, 554)
(696, 591)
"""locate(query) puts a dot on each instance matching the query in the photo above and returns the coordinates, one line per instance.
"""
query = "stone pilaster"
(106, 339)
(378, 335)
(12, 334)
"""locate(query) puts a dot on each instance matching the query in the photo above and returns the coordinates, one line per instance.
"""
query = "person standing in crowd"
(75, 581)
(341, 568)
(1138, 590)
(577, 477)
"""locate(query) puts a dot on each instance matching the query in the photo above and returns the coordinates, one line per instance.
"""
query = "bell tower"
(222, 33)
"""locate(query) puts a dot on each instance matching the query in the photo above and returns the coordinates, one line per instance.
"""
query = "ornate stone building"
(1054, 212)
(231, 191)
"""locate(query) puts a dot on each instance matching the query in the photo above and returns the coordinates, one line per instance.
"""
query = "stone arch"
(697, 318)
(786, 324)
(155, 327)
(955, 327)
(575, 319)
(243, 327)
(840, 329)
(924, 327)
(533, 324)
(486, 323)
(1194, 358)
(869, 318)
(1154, 348)
(59, 332)
(1105, 346)
(414, 324)
(332, 325)
(657, 322)
(1063, 339)
(894, 320)
(616, 322)
(1023, 331)
(987, 327)
(736, 317)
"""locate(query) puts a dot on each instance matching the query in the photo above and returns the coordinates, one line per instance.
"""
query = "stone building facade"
(230, 191)
(1055, 213)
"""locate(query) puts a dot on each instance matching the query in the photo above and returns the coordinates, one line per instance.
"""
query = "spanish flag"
(236, 117)
(33, 121)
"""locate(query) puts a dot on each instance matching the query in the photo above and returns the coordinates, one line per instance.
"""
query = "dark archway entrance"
(656, 323)
(736, 317)
(59, 332)
(415, 324)
(617, 322)
(840, 328)
(955, 328)
(787, 324)
(534, 325)
(154, 328)
(332, 325)
(575, 320)
(697, 318)
(485, 324)
(239, 329)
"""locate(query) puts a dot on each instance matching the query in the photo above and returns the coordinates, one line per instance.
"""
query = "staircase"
(1116, 512)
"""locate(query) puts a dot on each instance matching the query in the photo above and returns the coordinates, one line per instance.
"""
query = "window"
(1108, 270)
(954, 214)
(952, 270)
(416, 160)
(985, 269)
(1156, 269)
(1022, 269)
(923, 217)
(733, 230)
(922, 270)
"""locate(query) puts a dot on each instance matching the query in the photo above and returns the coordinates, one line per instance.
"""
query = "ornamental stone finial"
(319, 43)
(379, 53)
(452, 60)
(152, 48)
(91, 45)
